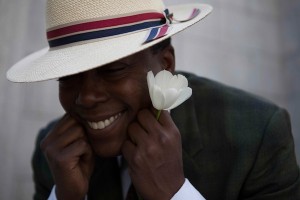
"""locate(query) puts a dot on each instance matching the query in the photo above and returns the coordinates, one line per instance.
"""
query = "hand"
(70, 158)
(154, 156)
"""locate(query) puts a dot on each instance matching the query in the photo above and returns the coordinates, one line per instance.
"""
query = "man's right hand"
(70, 158)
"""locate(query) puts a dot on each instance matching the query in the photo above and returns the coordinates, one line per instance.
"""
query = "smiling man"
(109, 113)
(222, 143)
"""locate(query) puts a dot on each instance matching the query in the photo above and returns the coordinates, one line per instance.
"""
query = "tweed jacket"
(235, 146)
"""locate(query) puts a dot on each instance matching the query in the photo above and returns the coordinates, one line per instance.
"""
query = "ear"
(167, 57)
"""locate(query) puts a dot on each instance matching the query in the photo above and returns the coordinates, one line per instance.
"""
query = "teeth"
(101, 125)
(107, 122)
(94, 125)
(104, 123)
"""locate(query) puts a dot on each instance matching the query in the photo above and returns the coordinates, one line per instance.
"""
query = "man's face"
(106, 100)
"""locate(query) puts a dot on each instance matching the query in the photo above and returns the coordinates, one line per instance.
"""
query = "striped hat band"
(157, 23)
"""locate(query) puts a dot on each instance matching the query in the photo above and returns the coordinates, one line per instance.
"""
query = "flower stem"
(158, 115)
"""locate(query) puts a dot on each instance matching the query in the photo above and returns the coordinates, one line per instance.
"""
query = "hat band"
(104, 28)
(158, 23)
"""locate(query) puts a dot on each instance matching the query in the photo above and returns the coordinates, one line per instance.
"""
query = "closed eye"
(113, 69)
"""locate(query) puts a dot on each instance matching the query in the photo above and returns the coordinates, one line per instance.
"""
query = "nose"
(92, 91)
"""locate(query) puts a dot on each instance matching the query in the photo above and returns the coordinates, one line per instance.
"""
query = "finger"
(66, 122)
(146, 116)
(159, 130)
(63, 155)
(78, 148)
(137, 134)
(60, 141)
(147, 120)
(62, 125)
(154, 111)
(128, 150)
(77, 154)
(165, 118)
(167, 122)
(163, 112)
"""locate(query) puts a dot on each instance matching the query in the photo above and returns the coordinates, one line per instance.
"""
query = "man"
(221, 144)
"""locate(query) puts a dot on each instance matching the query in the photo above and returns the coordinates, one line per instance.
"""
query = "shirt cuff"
(187, 191)
(52, 194)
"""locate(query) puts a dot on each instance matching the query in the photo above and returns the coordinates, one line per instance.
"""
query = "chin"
(106, 151)
(107, 154)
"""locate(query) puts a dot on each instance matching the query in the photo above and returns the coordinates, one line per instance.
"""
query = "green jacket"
(235, 146)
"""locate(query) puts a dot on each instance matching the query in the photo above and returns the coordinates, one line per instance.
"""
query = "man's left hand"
(154, 155)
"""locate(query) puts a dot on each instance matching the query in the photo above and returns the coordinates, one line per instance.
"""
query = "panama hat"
(85, 34)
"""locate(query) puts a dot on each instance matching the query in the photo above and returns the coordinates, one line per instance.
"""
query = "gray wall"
(253, 45)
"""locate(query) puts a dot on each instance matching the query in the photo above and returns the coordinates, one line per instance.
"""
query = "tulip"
(167, 91)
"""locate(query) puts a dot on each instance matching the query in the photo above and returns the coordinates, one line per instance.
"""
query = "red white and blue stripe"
(158, 23)
(159, 32)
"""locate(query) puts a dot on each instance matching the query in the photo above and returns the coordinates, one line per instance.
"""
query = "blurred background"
(253, 45)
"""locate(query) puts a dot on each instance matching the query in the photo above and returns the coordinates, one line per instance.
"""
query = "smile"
(103, 124)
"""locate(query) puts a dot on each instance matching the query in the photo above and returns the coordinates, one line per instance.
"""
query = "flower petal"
(158, 98)
(184, 95)
(151, 82)
(162, 78)
(171, 95)
(167, 91)
(178, 82)
(150, 79)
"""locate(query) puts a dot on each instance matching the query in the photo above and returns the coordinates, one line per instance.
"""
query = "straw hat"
(85, 34)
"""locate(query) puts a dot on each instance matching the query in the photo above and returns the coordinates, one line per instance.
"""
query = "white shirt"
(187, 190)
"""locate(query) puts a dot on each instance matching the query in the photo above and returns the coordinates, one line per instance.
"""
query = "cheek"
(135, 92)
(66, 99)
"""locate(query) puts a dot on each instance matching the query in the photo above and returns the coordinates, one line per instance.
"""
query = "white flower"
(167, 91)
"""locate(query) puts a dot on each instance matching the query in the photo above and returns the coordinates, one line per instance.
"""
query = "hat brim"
(52, 64)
